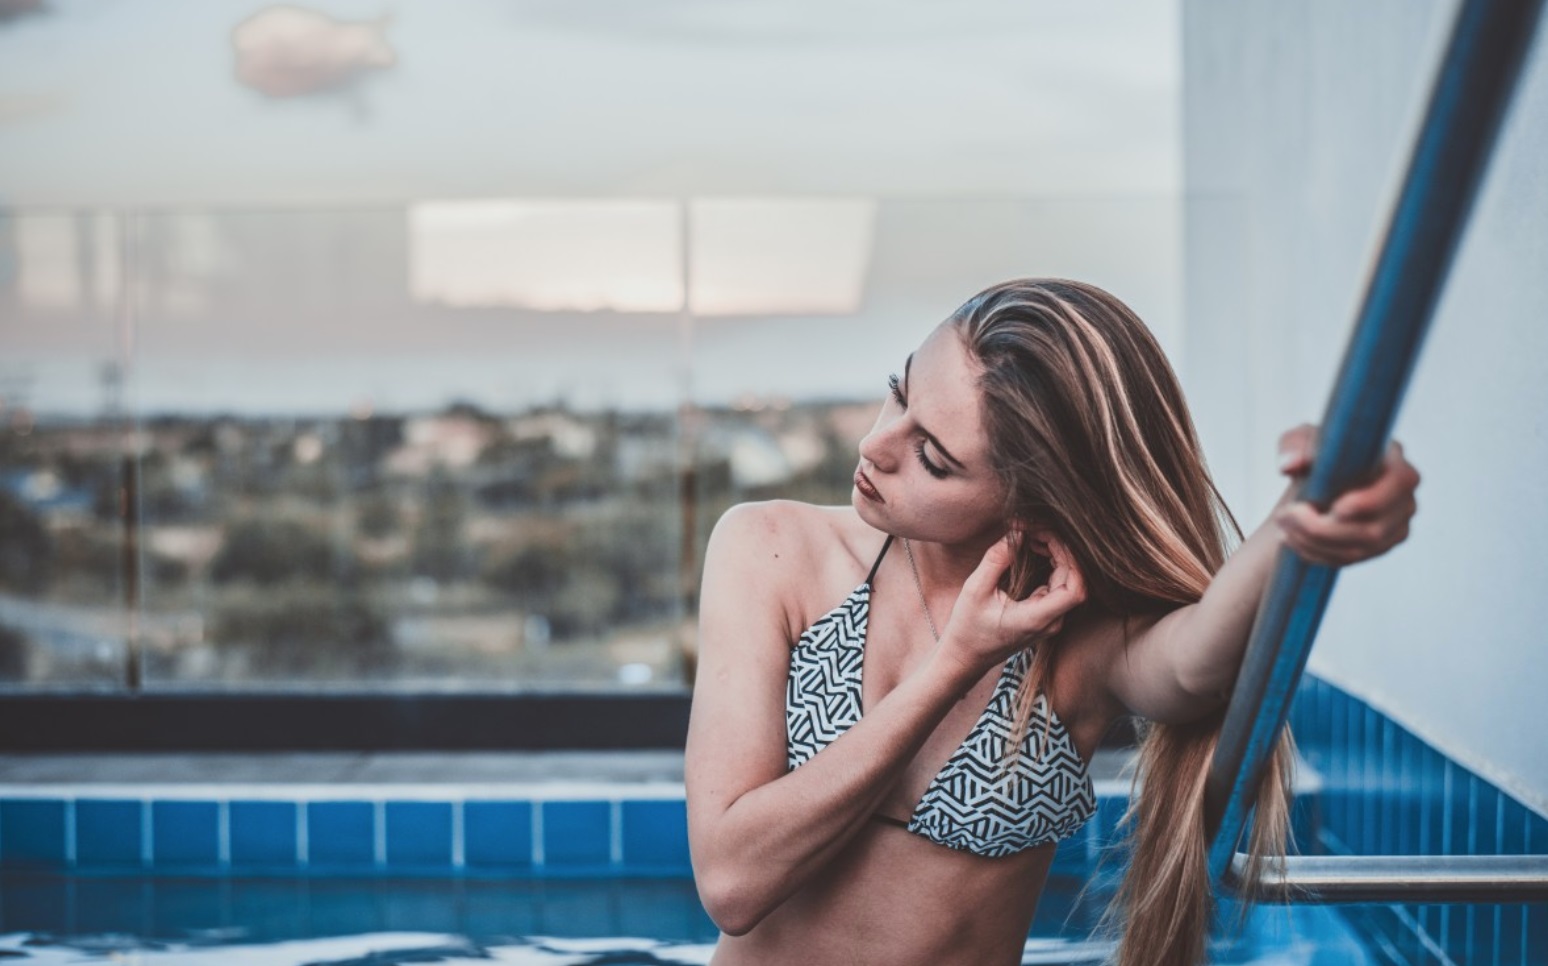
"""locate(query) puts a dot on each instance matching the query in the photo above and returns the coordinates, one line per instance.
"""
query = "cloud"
(286, 51)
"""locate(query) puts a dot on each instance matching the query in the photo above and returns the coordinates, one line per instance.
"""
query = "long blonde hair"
(1092, 438)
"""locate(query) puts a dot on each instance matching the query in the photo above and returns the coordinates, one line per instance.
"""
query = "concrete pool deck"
(377, 768)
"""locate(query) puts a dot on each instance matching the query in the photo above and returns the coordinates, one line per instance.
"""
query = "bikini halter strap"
(871, 577)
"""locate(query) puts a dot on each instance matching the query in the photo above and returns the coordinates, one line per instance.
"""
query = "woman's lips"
(866, 488)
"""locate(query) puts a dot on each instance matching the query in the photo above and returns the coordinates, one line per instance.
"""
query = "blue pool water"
(120, 871)
(162, 921)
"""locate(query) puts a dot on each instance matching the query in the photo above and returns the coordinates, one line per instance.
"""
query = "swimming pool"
(47, 918)
(543, 873)
(278, 873)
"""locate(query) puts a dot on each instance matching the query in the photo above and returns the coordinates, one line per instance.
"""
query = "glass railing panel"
(66, 450)
(454, 445)
(378, 458)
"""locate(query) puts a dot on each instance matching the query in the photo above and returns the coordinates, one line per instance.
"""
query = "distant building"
(453, 441)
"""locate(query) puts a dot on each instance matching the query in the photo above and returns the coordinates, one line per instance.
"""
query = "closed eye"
(939, 472)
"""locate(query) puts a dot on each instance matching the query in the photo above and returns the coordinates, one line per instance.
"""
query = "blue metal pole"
(1488, 44)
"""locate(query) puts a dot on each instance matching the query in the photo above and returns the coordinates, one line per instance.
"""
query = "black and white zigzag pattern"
(822, 695)
(976, 803)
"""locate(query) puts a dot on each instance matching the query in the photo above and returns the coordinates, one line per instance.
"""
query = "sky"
(935, 148)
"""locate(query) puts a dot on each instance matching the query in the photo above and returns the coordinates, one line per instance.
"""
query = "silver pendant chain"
(920, 587)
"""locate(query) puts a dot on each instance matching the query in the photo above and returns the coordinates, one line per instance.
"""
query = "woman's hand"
(987, 625)
(1362, 523)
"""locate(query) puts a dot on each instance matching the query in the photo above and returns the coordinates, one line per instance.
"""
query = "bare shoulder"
(769, 524)
(795, 553)
(785, 534)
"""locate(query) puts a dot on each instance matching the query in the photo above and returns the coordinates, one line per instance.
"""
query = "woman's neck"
(948, 565)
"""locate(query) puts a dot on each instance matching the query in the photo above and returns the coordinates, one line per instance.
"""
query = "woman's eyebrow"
(907, 365)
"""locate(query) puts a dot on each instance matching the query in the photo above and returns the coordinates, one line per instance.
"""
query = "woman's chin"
(867, 510)
(862, 505)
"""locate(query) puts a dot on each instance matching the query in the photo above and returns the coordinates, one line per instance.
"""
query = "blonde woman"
(896, 699)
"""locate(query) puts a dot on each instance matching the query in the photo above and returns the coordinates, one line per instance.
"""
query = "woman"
(896, 699)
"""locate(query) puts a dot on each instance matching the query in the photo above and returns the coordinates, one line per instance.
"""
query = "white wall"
(1298, 120)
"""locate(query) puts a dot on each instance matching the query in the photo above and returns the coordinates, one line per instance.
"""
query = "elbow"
(730, 901)
(1196, 695)
(1207, 689)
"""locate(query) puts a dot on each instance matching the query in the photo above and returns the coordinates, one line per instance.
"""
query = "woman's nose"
(876, 447)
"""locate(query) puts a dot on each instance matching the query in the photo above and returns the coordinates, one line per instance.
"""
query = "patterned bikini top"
(975, 803)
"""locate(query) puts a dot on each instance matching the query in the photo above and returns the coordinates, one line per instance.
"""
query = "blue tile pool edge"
(1387, 791)
(542, 830)
(539, 829)
(352, 830)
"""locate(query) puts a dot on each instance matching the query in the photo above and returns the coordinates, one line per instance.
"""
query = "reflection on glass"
(454, 445)
(62, 614)
(772, 256)
(621, 256)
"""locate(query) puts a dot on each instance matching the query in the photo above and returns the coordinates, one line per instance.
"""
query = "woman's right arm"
(756, 831)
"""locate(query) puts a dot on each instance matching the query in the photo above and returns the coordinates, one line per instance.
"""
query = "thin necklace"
(920, 587)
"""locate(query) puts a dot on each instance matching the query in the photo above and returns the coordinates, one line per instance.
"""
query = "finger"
(1406, 471)
(1041, 613)
(1038, 541)
(1390, 493)
(1066, 572)
(1312, 534)
(1066, 585)
(1296, 449)
(1380, 499)
(1332, 557)
(1388, 502)
(985, 578)
(1074, 580)
(1309, 528)
(1308, 547)
(1345, 547)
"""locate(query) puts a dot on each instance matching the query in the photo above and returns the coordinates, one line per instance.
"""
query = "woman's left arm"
(1184, 664)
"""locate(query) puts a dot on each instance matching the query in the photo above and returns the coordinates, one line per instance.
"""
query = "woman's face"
(924, 468)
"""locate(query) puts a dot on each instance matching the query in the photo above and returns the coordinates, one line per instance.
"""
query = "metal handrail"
(1395, 878)
(1472, 89)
